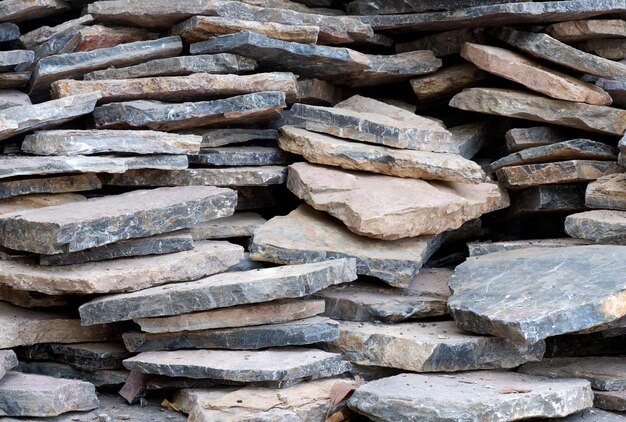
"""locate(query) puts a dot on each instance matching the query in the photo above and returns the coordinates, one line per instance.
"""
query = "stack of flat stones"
(313, 210)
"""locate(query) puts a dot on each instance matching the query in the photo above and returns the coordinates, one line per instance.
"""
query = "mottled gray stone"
(617, 90)
(104, 220)
(221, 137)
(8, 361)
(471, 138)
(581, 30)
(82, 356)
(613, 48)
(220, 291)
(608, 192)
(100, 378)
(56, 184)
(240, 156)
(598, 226)
(285, 366)
(306, 235)
(9, 31)
(153, 162)
(530, 294)
(483, 248)
(23, 10)
(295, 333)
(242, 224)
(9, 60)
(610, 400)
(446, 82)
(387, 7)
(521, 138)
(87, 142)
(548, 198)
(481, 395)
(158, 115)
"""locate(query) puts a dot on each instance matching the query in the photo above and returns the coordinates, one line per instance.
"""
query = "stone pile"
(312, 210)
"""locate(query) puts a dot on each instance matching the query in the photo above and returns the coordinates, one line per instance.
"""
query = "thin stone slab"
(105, 220)
(381, 206)
(518, 294)
(41, 396)
(318, 92)
(294, 333)
(471, 138)
(286, 366)
(220, 291)
(157, 115)
(481, 395)
(598, 226)
(98, 36)
(83, 356)
(587, 29)
(102, 378)
(306, 235)
(127, 274)
(527, 175)
(194, 87)
(517, 68)
(616, 89)
(23, 10)
(8, 361)
(14, 79)
(505, 102)
(385, 7)
(55, 184)
(610, 400)
(220, 137)
(9, 60)
(151, 161)
(36, 201)
(548, 199)
(483, 248)
(612, 49)
(446, 82)
(44, 33)
(608, 192)
(522, 138)
(241, 224)
(240, 156)
(13, 98)
(87, 142)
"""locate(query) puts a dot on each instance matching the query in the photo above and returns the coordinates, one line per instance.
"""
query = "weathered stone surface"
(158, 115)
(99, 36)
(57, 184)
(14, 79)
(522, 138)
(446, 82)
(505, 102)
(151, 161)
(119, 275)
(36, 201)
(517, 68)
(494, 395)
(200, 28)
(240, 156)
(274, 312)
(242, 224)
(229, 176)
(598, 226)
(84, 356)
(318, 92)
(390, 208)
(44, 33)
(155, 245)
(471, 137)
(616, 89)
(195, 87)
(100, 378)
(608, 192)
(613, 49)
(285, 366)
(548, 198)
(426, 296)
(502, 294)
(40, 395)
(329, 150)
(13, 98)
(104, 220)
(306, 235)
(444, 43)
(587, 29)
(517, 177)
(13, 58)
(221, 137)
(23, 10)
(8, 361)
(220, 291)
(482, 248)
(610, 400)
(49, 114)
(86, 142)
(385, 7)
(294, 333)
(9, 31)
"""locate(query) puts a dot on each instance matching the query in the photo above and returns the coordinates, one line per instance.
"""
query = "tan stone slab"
(38, 200)
(447, 81)
(598, 226)
(587, 29)
(608, 192)
(99, 36)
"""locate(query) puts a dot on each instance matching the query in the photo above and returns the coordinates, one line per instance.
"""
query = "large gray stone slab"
(83, 356)
(608, 192)
(483, 248)
(530, 294)
(8, 361)
(23, 10)
(598, 226)
(241, 224)
(480, 395)
(241, 156)
(521, 138)
(55, 184)
(220, 291)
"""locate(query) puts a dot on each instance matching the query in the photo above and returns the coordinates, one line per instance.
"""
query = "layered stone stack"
(315, 210)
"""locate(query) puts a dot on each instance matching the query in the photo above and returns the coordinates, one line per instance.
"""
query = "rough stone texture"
(548, 198)
(613, 49)
(293, 333)
(14, 79)
(444, 43)
(610, 400)
(120, 275)
(589, 29)
(158, 115)
(483, 248)
(274, 312)
(9, 60)
(318, 92)
(240, 156)
(471, 137)
(598, 226)
(241, 224)
(604, 372)
(518, 177)
(40, 395)
(505, 102)
(391, 208)
(521, 138)
(323, 149)
(493, 395)
(83, 356)
(9, 32)
(57, 184)
(426, 296)
(519, 294)
(616, 89)
(306, 235)
(101, 378)
(8, 361)
(195, 87)
(221, 137)
(608, 192)
(44, 33)
(446, 82)
(104, 220)
(23, 10)
(386, 7)
(285, 366)
(13, 98)
(98, 36)
(86, 142)
(151, 161)
(517, 68)
(36, 201)
(428, 347)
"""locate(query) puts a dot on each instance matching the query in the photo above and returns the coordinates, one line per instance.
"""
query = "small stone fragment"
(9, 32)
(598, 226)
(610, 400)
(318, 92)
(548, 198)
(242, 224)
(9, 60)
(608, 192)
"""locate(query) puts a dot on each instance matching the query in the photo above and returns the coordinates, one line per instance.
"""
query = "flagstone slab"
(598, 226)
(36, 201)
(608, 192)
(24, 10)
(386, 7)
(10, 59)
(222, 137)
(521, 138)
(612, 49)
(106, 378)
(82, 356)
(446, 82)
(241, 224)
(8, 361)
(483, 248)
(240, 156)
(54, 184)
(587, 29)
(610, 400)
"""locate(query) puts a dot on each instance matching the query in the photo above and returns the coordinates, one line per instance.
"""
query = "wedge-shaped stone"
(598, 226)
(242, 224)
(294, 333)
(522, 138)
(494, 395)
(385, 7)
(221, 137)
(505, 102)
(105, 220)
(84, 356)
(86, 142)
(120, 275)
(23, 10)
(587, 29)
(426, 296)
(446, 82)
(240, 156)
(41, 396)
(12, 58)
(483, 248)
(517, 68)
(306, 235)
(8, 361)
(285, 366)
(58, 184)
(517, 177)
(158, 115)
(323, 149)
(220, 291)
(519, 294)
(195, 87)
(608, 192)
(428, 347)
(391, 208)
(548, 199)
